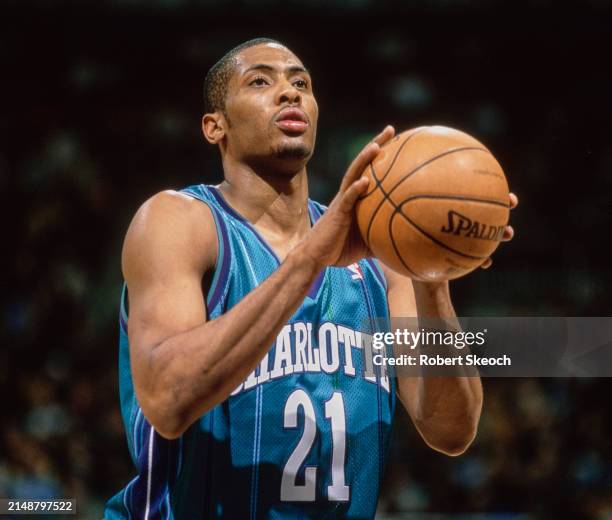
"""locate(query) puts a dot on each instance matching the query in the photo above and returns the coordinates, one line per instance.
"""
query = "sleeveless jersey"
(305, 435)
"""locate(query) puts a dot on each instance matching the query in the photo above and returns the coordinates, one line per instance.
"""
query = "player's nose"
(288, 93)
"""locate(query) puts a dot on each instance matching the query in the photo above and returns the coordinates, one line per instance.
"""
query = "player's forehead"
(272, 54)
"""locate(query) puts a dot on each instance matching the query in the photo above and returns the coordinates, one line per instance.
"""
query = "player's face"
(271, 108)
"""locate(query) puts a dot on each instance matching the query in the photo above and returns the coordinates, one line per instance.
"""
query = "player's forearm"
(195, 370)
(446, 410)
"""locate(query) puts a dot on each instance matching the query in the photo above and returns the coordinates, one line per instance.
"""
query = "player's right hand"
(335, 238)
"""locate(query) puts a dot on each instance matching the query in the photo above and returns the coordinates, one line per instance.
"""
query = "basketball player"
(242, 386)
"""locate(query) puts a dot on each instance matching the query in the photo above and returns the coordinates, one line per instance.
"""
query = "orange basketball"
(436, 206)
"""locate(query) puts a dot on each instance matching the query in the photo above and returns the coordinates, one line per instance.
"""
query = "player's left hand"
(508, 232)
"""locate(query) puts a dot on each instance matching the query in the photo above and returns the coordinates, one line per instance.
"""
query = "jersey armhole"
(123, 308)
(218, 287)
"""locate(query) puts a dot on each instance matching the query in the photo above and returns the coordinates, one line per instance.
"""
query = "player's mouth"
(292, 120)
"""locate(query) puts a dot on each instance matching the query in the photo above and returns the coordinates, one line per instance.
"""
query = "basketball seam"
(395, 248)
(406, 176)
(378, 182)
(438, 242)
(435, 240)
(456, 197)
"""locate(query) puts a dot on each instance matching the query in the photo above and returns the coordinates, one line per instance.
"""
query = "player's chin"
(293, 149)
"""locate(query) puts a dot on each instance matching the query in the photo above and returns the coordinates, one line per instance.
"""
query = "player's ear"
(213, 127)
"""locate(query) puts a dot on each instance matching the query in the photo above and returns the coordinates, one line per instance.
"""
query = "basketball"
(437, 204)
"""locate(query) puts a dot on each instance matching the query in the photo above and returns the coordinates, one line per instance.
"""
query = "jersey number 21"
(334, 412)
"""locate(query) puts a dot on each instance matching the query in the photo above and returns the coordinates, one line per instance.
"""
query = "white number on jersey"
(334, 411)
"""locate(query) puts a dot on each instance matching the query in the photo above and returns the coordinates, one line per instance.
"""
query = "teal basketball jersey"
(305, 435)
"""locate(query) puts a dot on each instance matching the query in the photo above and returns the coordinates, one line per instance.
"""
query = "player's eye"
(300, 83)
(258, 82)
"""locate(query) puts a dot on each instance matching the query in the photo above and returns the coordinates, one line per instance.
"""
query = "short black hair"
(215, 83)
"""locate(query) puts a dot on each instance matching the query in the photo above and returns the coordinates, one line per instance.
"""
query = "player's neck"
(277, 204)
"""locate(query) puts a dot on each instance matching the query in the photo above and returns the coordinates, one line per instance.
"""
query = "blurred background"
(101, 105)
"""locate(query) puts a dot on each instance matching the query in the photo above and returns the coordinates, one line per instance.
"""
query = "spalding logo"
(459, 224)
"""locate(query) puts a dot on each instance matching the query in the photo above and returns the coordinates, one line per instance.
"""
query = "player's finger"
(508, 234)
(487, 263)
(356, 168)
(352, 194)
(513, 201)
(386, 135)
(366, 156)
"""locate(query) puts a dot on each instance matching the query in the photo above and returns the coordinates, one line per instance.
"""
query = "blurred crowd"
(99, 120)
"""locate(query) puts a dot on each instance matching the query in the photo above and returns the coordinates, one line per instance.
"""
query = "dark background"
(101, 105)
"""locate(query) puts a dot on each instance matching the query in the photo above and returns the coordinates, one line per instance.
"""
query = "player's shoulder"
(175, 210)
(173, 203)
(169, 222)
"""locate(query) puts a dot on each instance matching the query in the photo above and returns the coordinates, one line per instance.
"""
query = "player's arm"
(182, 364)
(445, 410)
